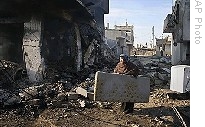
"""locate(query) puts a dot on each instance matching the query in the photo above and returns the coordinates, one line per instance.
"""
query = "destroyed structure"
(49, 41)
(48, 35)
(178, 23)
(143, 51)
(120, 39)
(49, 55)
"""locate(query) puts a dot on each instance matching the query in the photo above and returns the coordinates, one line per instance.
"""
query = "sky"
(142, 14)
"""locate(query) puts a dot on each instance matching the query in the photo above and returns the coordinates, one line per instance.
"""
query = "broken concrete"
(82, 91)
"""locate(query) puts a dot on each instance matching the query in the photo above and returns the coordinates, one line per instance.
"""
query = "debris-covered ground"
(59, 102)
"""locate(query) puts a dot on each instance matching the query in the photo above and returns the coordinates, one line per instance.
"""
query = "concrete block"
(81, 91)
(121, 88)
(85, 93)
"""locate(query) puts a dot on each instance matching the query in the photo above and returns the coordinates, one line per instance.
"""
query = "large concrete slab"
(121, 88)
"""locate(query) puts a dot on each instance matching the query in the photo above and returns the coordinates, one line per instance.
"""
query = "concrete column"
(79, 47)
(32, 42)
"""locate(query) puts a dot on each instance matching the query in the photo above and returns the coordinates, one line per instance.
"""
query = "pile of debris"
(76, 89)
(66, 88)
(9, 72)
(156, 67)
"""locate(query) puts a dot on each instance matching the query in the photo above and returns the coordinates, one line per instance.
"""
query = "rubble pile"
(59, 89)
(68, 85)
(9, 72)
(70, 96)
(156, 67)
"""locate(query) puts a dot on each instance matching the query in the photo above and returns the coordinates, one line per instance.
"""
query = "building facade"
(178, 23)
(123, 35)
(163, 46)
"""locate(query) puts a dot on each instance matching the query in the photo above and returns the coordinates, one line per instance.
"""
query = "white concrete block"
(85, 93)
(180, 78)
(121, 88)
(81, 91)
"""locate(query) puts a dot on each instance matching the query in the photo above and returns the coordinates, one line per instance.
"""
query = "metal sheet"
(121, 88)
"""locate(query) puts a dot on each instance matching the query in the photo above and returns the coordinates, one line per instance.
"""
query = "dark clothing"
(127, 107)
(127, 68)
(161, 53)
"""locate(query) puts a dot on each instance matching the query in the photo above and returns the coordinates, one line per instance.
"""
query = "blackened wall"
(11, 36)
(59, 45)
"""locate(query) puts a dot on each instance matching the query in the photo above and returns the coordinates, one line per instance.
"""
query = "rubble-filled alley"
(58, 65)
(62, 102)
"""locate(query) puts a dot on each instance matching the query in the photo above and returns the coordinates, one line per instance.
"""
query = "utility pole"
(153, 35)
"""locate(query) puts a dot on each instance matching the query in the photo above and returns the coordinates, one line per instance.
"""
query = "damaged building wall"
(79, 47)
(98, 9)
(178, 23)
(59, 50)
(53, 39)
(91, 42)
(163, 45)
(11, 41)
(120, 37)
(60, 45)
(181, 53)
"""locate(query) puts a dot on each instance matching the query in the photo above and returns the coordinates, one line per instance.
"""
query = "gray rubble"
(155, 67)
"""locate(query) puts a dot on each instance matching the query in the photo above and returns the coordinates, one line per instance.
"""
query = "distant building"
(163, 46)
(123, 35)
(115, 39)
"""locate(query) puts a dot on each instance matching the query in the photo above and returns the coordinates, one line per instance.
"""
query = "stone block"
(81, 91)
(121, 88)
(85, 93)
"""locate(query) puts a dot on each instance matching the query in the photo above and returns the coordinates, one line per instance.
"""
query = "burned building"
(50, 35)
